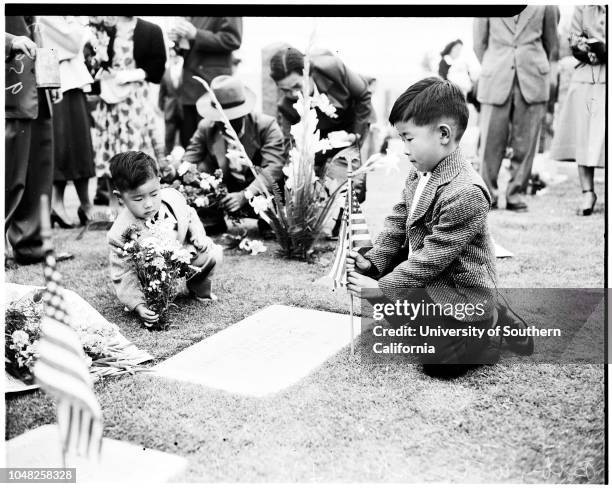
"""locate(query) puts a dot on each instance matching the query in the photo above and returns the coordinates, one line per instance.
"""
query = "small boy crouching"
(135, 178)
(435, 247)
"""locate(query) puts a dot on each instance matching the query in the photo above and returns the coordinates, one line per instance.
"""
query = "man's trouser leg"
(16, 155)
(189, 124)
(526, 126)
(494, 130)
(24, 229)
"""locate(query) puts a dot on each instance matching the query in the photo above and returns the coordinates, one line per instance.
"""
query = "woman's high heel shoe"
(587, 210)
(56, 219)
(83, 219)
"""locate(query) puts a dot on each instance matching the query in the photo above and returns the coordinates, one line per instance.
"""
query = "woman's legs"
(586, 175)
(82, 189)
(57, 200)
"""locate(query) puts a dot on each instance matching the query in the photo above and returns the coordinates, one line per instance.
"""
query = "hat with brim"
(235, 99)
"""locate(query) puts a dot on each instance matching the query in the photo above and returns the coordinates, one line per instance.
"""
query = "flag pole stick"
(349, 175)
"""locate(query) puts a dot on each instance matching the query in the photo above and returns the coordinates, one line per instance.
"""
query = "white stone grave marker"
(264, 353)
(119, 461)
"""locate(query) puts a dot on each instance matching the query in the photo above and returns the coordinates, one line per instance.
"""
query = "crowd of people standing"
(102, 106)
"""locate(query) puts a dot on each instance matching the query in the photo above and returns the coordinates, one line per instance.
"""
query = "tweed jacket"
(448, 235)
(210, 53)
(523, 48)
(123, 275)
(262, 140)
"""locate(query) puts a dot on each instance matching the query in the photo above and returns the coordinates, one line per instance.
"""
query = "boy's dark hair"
(428, 101)
(129, 170)
(286, 61)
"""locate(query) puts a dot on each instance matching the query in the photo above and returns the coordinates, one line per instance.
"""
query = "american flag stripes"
(356, 235)
(61, 368)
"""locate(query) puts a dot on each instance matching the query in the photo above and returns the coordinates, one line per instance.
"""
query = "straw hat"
(235, 99)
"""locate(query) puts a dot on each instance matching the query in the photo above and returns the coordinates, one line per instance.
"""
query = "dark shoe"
(523, 345)
(518, 206)
(83, 219)
(56, 219)
(588, 204)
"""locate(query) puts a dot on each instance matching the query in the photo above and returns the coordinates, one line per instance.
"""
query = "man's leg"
(526, 126)
(24, 229)
(191, 118)
(494, 130)
(16, 154)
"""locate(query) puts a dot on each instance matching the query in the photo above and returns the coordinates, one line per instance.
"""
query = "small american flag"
(356, 236)
(61, 368)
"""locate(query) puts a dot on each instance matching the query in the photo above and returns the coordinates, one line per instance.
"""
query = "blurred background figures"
(580, 132)
(513, 89)
(28, 139)
(124, 118)
(169, 99)
(73, 153)
(207, 44)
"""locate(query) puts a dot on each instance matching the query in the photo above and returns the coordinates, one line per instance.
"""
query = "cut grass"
(350, 420)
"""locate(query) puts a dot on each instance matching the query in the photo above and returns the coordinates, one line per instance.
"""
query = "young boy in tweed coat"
(135, 177)
(436, 239)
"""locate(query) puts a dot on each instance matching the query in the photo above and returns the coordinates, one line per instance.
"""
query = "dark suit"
(209, 55)
(262, 141)
(170, 105)
(28, 148)
(513, 89)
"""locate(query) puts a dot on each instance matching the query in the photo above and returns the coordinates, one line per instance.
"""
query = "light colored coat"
(523, 49)
(123, 275)
(590, 20)
(449, 237)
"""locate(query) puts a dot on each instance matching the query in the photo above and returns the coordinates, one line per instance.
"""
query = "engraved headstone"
(264, 353)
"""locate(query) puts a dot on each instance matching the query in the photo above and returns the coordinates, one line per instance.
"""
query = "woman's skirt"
(581, 130)
(73, 153)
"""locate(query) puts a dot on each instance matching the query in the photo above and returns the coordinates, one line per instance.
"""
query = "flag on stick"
(61, 368)
(356, 236)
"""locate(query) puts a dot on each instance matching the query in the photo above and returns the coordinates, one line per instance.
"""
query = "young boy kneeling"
(436, 239)
(135, 178)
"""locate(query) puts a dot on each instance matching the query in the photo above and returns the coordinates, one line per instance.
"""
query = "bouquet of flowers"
(200, 189)
(22, 332)
(21, 335)
(160, 263)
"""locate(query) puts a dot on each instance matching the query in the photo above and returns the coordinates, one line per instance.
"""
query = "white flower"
(183, 168)
(257, 247)
(254, 246)
(261, 204)
(321, 101)
(20, 338)
(205, 184)
(201, 202)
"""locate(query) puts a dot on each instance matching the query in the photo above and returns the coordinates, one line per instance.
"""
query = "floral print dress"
(129, 125)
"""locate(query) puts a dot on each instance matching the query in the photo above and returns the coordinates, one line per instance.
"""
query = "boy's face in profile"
(424, 145)
(144, 201)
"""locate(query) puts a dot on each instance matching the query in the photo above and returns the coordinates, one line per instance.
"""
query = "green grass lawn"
(350, 420)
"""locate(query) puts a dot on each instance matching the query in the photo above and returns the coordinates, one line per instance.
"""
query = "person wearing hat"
(211, 148)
